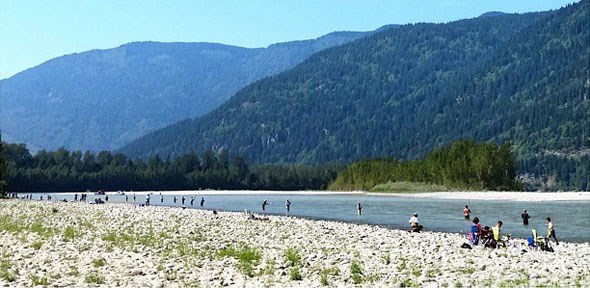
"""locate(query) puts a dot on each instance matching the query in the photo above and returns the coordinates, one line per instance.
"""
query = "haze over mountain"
(402, 92)
(102, 99)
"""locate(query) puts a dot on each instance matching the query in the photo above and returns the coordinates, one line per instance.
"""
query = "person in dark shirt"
(525, 217)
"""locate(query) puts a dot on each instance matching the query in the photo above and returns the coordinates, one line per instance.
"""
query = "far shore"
(462, 195)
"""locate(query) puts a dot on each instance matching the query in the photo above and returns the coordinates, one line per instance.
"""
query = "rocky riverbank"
(77, 244)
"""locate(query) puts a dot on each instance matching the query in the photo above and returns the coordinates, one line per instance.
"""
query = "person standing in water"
(264, 203)
(202, 201)
(466, 212)
(192, 200)
(182, 200)
(525, 217)
(551, 230)
(175, 199)
(359, 208)
(287, 205)
(147, 199)
(161, 198)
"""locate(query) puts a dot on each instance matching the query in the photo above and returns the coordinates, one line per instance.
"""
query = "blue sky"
(32, 32)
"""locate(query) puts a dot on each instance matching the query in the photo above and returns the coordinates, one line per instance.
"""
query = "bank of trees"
(63, 170)
(461, 165)
(2, 169)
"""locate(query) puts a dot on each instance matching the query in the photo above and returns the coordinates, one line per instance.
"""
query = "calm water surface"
(571, 218)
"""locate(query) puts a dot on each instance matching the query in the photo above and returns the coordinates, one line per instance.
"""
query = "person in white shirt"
(551, 231)
(415, 224)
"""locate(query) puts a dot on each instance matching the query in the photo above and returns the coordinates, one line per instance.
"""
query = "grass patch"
(416, 272)
(100, 262)
(73, 271)
(402, 266)
(467, 270)
(5, 273)
(269, 268)
(408, 187)
(293, 258)
(433, 272)
(409, 283)
(325, 273)
(39, 281)
(387, 259)
(37, 245)
(248, 258)
(94, 277)
(69, 234)
(356, 272)
(9, 225)
(295, 274)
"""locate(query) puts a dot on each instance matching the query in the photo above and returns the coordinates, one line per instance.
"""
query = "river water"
(571, 218)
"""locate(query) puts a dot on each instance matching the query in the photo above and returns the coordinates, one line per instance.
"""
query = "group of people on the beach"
(489, 237)
(493, 237)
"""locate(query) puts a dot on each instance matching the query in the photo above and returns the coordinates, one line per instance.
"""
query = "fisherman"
(175, 199)
(147, 199)
(287, 205)
(466, 212)
(525, 217)
(161, 198)
(551, 230)
(192, 200)
(202, 201)
(264, 203)
(182, 200)
(359, 208)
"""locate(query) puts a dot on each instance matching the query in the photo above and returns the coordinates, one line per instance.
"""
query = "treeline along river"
(571, 218)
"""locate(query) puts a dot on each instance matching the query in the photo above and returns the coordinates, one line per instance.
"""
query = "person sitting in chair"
(415, 224)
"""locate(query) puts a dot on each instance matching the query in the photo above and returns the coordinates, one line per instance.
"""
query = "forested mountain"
(102, 99)
(403, 92)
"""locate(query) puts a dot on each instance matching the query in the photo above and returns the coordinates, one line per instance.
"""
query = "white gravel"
(80, 245)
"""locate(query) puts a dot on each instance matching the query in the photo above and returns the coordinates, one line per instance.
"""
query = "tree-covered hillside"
(103, 99)
(403, 92)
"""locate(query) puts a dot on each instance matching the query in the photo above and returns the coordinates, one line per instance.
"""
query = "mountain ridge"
(403, 92)
(103, 98)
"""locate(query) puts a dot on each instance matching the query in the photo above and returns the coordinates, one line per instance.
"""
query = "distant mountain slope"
(103, 99)
(403, 92)
(365, 99)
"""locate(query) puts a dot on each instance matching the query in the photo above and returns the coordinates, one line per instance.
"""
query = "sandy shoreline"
(82, 245)
(507, 196)
(472, 195)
